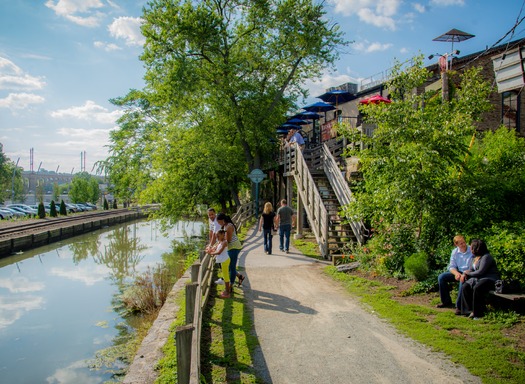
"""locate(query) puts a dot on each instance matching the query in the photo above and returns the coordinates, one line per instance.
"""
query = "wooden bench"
(512, 301)
(509, 296)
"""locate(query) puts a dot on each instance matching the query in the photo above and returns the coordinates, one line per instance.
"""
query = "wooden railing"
(342, 191)
(244, 213)
(309, 194)
(188, 337)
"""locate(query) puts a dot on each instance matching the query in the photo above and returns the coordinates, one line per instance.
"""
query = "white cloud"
(404, 50)
(108, 47)
(419, 7)
(81, 12)
(368, 47)
(13, 308)
(89, 111)
(73, 373)
(376, 12)
(445, 3)
(128, 29)
(21, 284)
(86, 275)
(12, 77)
(16, 101)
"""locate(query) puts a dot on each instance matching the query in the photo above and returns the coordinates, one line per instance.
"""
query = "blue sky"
(62, 60)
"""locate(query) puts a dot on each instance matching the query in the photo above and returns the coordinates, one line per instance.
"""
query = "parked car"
(14, 212)
(84, 207)
(5, 214)
(71, 208)
(93, 206)
(24, 208)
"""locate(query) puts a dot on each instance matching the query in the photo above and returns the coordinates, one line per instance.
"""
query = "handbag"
(507, 286)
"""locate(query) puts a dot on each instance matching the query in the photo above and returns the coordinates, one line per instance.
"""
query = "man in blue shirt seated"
(459, 263)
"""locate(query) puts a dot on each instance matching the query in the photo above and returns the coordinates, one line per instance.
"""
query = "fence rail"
(342, 191)
(188, 337)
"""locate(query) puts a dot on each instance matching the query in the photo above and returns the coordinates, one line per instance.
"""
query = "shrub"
(53, 210)
(506, 243)
(115, 206)
(106, 205)
(63, 209)
(416, 266)
(41, 211)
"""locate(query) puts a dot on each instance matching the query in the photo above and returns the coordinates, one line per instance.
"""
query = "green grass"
(228, 341)
(481, 346)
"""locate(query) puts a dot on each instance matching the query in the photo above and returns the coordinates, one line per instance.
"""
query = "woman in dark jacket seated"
(479, 280)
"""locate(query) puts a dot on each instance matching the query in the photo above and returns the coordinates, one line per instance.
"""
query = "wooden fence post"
(194, 272)
(183, 337)
(191, 293)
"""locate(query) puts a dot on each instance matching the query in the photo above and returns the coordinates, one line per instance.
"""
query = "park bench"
(514, 301)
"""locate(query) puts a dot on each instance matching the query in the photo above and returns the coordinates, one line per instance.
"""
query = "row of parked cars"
(12, 211)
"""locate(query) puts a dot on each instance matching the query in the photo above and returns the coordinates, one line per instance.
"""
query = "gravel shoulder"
(311, 330)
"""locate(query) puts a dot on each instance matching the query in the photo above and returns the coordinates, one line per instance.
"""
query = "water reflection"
(56, 301)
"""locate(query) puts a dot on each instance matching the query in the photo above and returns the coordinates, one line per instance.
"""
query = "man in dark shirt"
(285, 219)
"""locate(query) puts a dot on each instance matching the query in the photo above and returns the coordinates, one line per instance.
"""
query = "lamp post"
(13, 183)
(256, 176)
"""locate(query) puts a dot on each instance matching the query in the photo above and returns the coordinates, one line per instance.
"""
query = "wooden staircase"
(323, 191)
(340, 234)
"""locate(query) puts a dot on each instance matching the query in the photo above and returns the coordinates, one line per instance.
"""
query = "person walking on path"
(266, 224)
(234, 247)
(459, 262)
(285, 219)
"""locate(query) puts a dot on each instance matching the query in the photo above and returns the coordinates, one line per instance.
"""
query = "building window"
(510, 110)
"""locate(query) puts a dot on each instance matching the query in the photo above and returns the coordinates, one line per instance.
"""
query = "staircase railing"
(309, 194)
(342, 191)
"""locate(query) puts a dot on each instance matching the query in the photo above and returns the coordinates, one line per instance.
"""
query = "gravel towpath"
(311, 330)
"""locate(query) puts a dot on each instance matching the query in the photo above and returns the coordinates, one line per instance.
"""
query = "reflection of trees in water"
(123, 252)
(83, 249)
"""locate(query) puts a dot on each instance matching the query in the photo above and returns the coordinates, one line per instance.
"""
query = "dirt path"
(311, 331)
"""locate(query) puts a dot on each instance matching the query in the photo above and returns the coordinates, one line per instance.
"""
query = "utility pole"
(13, 184)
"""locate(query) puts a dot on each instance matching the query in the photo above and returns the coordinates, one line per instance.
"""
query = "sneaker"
(457, 312)
(286, 251)
(220, 281)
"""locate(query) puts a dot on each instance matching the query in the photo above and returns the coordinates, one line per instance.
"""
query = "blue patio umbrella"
(307, 115)
(281, 131)
(297, 121)
(336, 96)
(289, 126)
(320, 106)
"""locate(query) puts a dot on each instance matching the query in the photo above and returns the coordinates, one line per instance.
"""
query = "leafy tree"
(63, 209)
(11, 180)
(41, 211)
(413, 193)
(84, 188)
(53, 209)
(221, 76)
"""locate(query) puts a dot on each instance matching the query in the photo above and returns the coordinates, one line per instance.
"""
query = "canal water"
(57, 303)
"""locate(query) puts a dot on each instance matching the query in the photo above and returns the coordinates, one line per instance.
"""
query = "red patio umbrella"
(376, 99)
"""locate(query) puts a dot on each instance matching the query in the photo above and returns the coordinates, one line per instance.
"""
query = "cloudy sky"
(62, 60)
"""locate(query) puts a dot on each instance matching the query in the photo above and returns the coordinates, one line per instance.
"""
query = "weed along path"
(310, 330)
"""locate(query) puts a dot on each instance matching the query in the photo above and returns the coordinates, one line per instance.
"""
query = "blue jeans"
(444, 281)
(284, 233)
(234, 255)
(267, 233)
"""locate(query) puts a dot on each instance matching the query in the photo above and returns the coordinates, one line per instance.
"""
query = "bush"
(53, 210)
(41, 211)
(106, 205)
(506, 243)
(115, 206)
(416, 266)
(63, 209)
